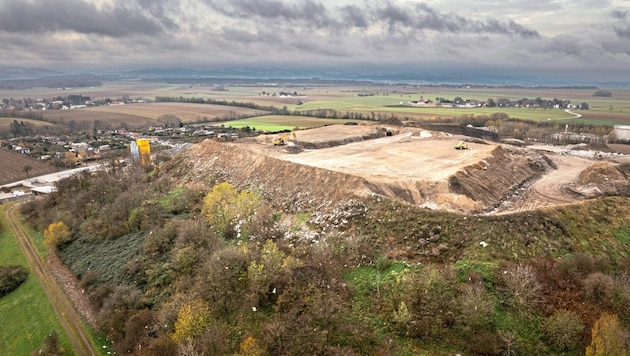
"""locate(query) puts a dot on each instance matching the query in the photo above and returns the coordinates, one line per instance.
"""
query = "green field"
(274, 123)
(384, 101)
(26, 314)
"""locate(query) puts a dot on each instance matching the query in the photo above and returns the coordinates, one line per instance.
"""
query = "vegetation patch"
(11, 276)
(104, 260)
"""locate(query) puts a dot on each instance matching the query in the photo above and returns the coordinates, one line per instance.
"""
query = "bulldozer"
(461, 145)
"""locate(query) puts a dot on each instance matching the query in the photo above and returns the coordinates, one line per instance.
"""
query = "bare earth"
(413, 165)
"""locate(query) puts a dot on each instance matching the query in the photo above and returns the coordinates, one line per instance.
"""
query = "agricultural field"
(385, 101)
(5, 122)
(137, 115)
(274, 123)
(13, 164)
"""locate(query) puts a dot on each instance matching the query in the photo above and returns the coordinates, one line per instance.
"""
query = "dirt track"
(62, 306)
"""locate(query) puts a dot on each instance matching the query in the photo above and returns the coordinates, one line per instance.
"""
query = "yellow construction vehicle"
(461, 145)
(282, 140)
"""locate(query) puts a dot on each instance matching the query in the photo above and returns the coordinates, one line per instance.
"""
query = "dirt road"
(67, 315)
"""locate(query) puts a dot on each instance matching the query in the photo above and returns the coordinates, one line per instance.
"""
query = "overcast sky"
(586, 36)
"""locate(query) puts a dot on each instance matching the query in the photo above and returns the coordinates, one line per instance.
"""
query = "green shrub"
(11, 276)
(562, 330)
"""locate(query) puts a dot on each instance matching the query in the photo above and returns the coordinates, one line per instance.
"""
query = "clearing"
(323, 166)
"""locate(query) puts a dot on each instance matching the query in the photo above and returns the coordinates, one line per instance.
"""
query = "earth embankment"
(412, 165)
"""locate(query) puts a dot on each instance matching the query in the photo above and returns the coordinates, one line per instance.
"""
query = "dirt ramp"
(498, 176)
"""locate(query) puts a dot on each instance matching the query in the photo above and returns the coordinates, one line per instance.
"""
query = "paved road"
(66, 314)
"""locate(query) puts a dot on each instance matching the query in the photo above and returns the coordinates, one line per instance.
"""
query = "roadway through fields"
(67, 315)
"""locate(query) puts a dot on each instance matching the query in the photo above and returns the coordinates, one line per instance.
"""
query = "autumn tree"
(226, 208)
(192, 319)
(606, 337)
(56, 234)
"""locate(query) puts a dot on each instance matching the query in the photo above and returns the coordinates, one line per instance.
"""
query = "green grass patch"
(623, 235)
(485, 269)
(274, 123)
(167, 201)
(27, 315)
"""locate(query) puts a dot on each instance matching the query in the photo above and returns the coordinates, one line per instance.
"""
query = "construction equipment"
(461, 145)
(282, 140)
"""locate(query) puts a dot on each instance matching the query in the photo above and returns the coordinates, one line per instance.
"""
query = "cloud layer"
(66, 34)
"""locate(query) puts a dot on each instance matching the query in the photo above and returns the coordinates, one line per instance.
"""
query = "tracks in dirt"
(67, 315)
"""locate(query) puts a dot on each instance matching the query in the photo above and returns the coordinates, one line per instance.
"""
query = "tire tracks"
(66, 314)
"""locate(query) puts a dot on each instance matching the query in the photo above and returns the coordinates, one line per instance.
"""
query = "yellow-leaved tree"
(192, 319)
(225, 207)
(606, 338)
(56, 234)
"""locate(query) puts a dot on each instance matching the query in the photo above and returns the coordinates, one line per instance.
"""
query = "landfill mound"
(415, 166)
(603, 179)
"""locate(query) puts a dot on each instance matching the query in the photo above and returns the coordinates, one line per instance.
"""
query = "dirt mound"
(292, 186)
(495, 178)
(603, 179)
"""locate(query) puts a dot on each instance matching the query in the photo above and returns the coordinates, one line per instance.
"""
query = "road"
(66, 314)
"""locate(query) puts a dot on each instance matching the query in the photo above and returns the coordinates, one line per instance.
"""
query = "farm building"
(622, 132)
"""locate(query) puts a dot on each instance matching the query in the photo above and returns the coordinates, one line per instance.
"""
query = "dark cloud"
(618, 14)
(354, 16)
(307, 13)
(397, 18)
(18, 16)
(623, 32)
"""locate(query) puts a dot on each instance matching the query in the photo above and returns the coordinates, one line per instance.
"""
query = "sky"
(581, 37)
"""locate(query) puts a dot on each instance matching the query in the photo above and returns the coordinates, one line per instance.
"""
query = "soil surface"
(319, 167)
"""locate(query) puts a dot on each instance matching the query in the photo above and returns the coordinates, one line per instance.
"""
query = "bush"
(562, 330)
(11, 277)
(523, 287)
(599, 288)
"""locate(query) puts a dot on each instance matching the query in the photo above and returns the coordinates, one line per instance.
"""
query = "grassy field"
(27, 316)
(273, 123)
(603, 110)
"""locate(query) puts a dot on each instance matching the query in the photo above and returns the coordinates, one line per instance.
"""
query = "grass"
(275, 123)
(27, 316)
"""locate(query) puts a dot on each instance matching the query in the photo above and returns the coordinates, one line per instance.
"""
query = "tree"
(606, 337)
(27, 169)
(562, 330)
(192, 319)
(224, 206)
(56, 234)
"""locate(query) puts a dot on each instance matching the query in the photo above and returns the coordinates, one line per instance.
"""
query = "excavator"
(282, 140)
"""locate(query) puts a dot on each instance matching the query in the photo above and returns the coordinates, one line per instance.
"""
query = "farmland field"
(384, 100)
(13, 164)
(135, 115)
(5, 122)
(273, 123)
